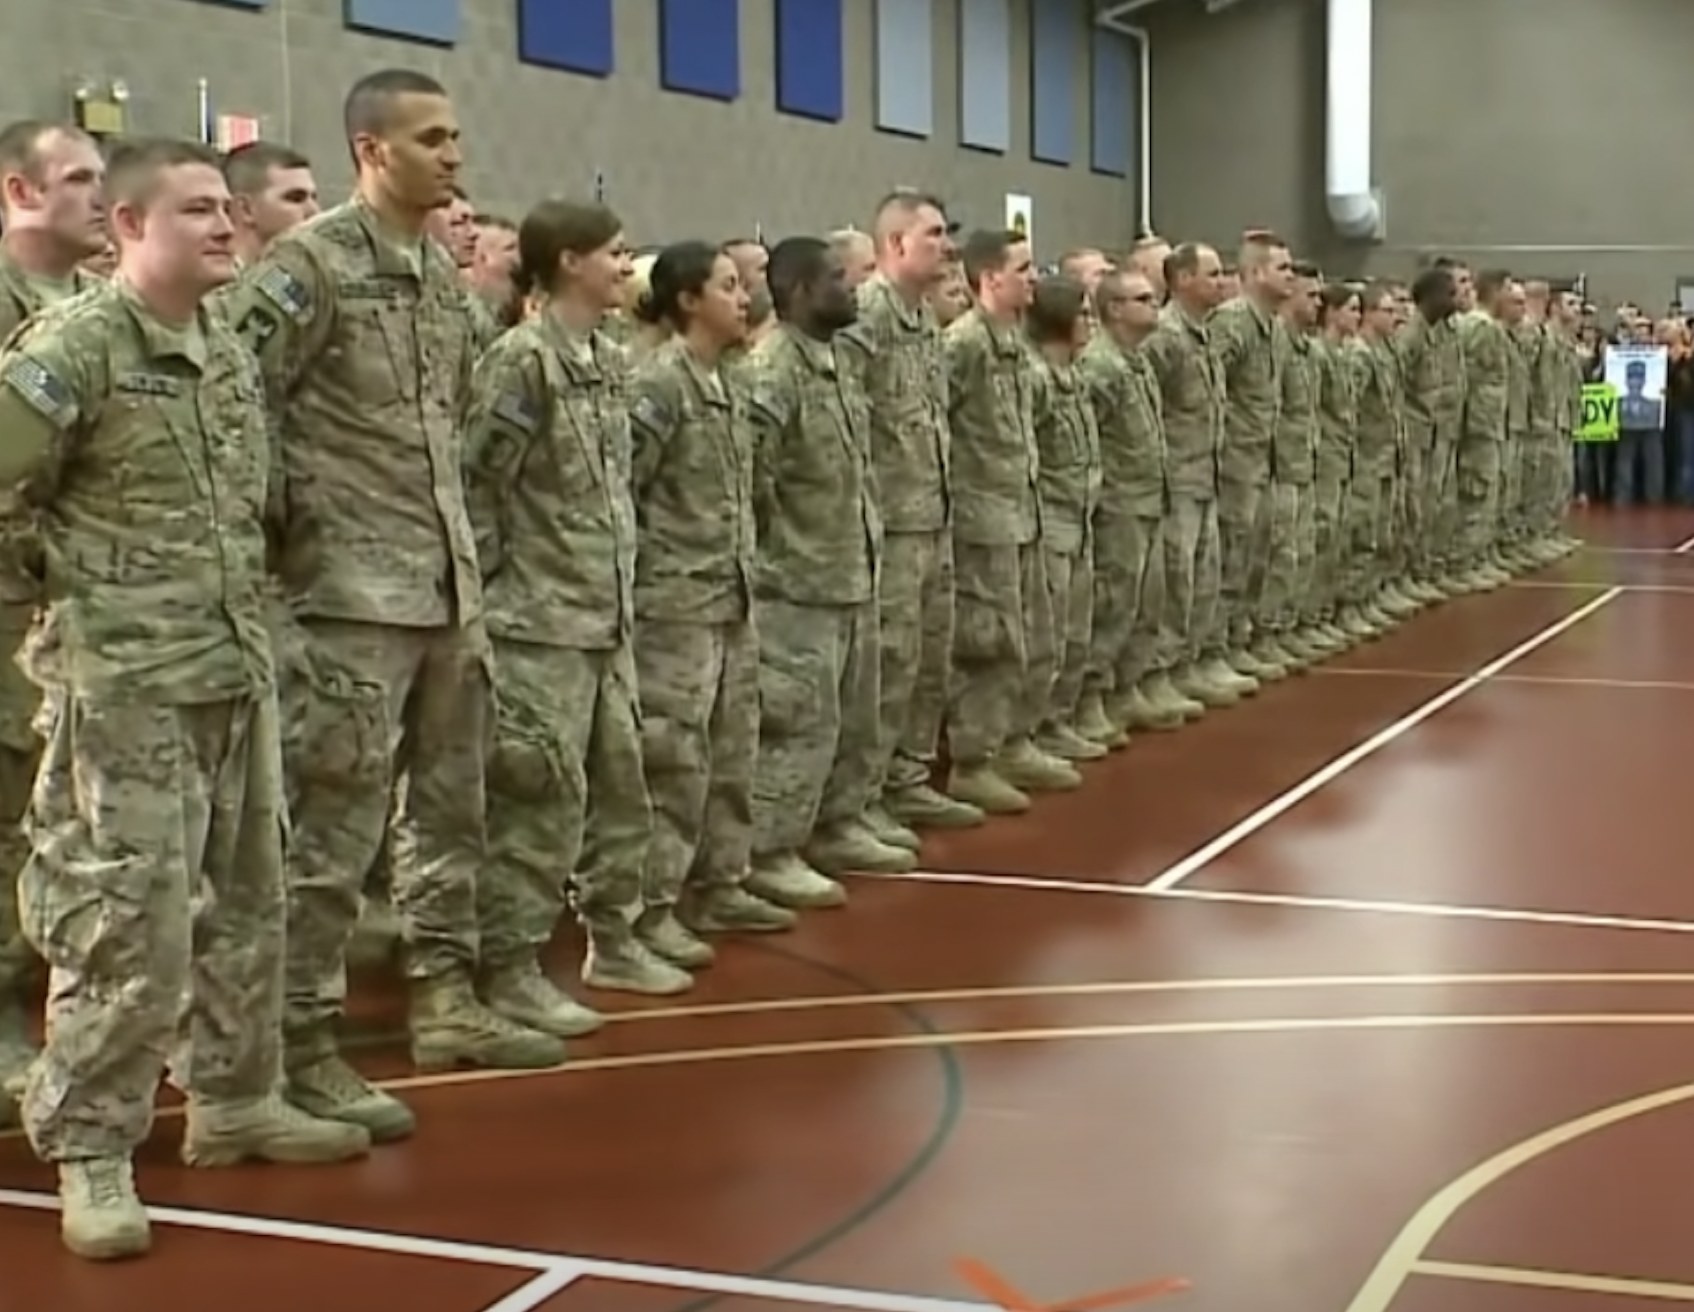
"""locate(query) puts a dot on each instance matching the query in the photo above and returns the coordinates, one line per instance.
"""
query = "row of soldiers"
(330, 578)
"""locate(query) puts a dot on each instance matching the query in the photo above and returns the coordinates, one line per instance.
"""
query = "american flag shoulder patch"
(514, 408)
(39, 387)
(285, 291)
(649, 412)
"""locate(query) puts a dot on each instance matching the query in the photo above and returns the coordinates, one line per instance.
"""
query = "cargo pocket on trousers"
(337, 729)
(525, 765)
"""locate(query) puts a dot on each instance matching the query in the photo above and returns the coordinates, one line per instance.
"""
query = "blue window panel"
(575, 35)
(700, 47)
(1055, 64)
(434, 21)
(810, 61)
(905, 67)
(1112, 128)
(985, 75)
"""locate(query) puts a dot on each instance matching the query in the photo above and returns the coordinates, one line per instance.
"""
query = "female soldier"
(547, 457)
(1338, 320)
(695, 647)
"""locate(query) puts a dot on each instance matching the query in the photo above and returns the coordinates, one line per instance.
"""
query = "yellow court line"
(1400, 1260)
(1105, 988)
(1565, 1281)
(978, 1038)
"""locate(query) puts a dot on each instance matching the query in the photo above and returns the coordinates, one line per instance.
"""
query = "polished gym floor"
(1376, 992)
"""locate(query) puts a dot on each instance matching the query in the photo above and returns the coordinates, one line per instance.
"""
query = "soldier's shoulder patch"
(256, 328)
(650, 411)
(283, 290)
(39, 387)
(516, 409)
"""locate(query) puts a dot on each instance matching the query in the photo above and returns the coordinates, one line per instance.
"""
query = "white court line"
(528, 1297)
(1576, 585)
(553, 1269)
(1328, 774)
(1683, 548)
(1303, 902)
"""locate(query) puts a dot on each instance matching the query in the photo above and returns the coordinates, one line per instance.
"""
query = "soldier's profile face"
(602, 274)
(183, 234)
(835, 303)
(67, 191)
(418, 150)
(1014, 281)
(289, 198)
(722, 305)
(454, 226)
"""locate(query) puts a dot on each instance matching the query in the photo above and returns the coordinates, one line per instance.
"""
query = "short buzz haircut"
(136, 163)
(904, 203)
(1256, 246)
(1182, 259)
(365, 111)
(986, 250)
(1113, 289)
(248, 168)
(1306, 269)
(20, 144)
(499, 221)
(1431, 283)
(1490, 282)
(796, 263)
(1059, 301)
(1376, 293)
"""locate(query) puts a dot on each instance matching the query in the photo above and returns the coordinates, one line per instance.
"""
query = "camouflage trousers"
(1191, 627)
(1547, 477)
(1510, 518)
(1289, 552)
(20, 754)
(156, 880)
(566, 798)
(1243, 508)
(1002, 648)
(1129, 593)
(699, 687)
(1370, 532)
(818, 720)
(915, 633)
(1436, 508)
(1329, 543)
(1070, 599)
(1478, 477)
(386, 732)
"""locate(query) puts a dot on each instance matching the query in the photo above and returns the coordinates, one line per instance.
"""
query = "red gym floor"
(1377, 992)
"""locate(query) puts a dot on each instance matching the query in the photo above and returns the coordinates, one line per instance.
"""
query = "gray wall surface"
(1544, 136)
(675, 165)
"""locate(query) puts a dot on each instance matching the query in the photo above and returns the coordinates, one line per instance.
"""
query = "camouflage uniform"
(1069, 491)
(1480, 457)
(1290, 546)
(1373, 513)
(547, 472)
(1512, 532)
(1129, 658)
(696, 650)
(135, 461)
(1555, 378)
(20, 749)
(1243, 339)
(1332, 479)
(366, 350)
(1191, 394)
(819, 536)
(901, 368)
(1003, 640)
(1432, 366)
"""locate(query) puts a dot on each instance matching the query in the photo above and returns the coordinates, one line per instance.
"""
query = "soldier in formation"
(534, 586)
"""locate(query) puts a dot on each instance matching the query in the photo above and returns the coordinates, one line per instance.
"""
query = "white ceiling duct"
(1355, 204)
